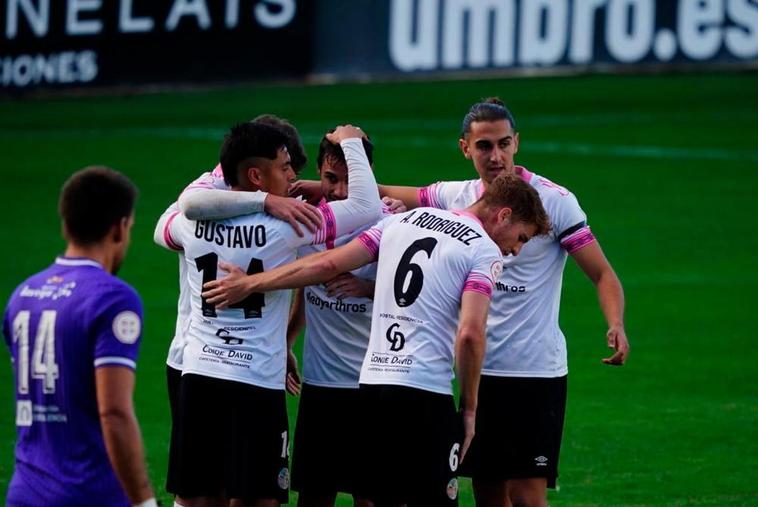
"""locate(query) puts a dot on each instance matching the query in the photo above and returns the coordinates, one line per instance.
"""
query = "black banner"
(431, 36)
(63, 43)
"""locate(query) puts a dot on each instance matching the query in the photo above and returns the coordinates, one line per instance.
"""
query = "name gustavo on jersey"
(338, 305)
(234, 236)
(452, 228)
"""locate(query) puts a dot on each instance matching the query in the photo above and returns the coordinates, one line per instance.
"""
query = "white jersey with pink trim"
(336, 330)
(523, 335)
(247, 342)
(209, 180)
(427, 259)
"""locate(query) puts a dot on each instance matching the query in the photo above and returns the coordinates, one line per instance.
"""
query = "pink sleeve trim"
(370, 239)
(478, 283)
(427, 197)
(328, 230)
(578, 240)
(167, 233)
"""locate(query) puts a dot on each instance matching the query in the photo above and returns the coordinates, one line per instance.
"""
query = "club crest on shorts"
(284, 478)
(452, 489)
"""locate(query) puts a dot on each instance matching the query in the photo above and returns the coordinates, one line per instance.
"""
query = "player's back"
(246, 342)
(61, 324)
(427, 259)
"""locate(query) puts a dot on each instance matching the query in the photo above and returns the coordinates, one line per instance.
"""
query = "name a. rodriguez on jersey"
(452, 228)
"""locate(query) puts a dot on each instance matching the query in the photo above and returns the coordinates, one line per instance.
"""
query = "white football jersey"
(208, 180)
(247, 342)
(427, 259)
(336, 330)
(523, 335)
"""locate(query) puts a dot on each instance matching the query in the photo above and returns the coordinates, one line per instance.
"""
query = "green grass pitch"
(665, 166)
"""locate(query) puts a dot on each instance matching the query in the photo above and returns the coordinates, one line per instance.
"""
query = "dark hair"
(249, 140)
(334, 151)
(294, 143)
(489, 109)
(509, 190)
(92, 201)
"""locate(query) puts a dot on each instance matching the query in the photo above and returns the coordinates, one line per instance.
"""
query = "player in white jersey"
(523, 389)
(234, 360)
(436, 271)
(337, 320)
(207, 198)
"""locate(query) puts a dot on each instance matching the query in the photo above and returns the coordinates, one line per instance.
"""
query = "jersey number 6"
(407, 289)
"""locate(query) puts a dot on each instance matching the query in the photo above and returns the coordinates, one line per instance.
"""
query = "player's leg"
(490, 492)
(527, 492)
(173, 381)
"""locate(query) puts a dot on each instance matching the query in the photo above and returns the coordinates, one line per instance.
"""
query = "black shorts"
(173, 379)
(519, 425)
(410, 447)
(231, 441)
(329, 420)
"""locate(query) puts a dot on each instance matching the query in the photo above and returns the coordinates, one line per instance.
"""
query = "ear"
(254, 175)
(463, 144)
(515, 143)
(118, 230)
(504, 215)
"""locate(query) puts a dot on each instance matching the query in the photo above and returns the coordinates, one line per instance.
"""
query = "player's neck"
(95, 252)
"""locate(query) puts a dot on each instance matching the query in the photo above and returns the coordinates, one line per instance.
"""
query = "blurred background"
(647, 110)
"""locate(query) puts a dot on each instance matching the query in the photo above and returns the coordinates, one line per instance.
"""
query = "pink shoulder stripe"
(217, 172)
(167, 233)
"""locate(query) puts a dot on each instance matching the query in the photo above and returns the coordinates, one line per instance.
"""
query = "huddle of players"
(381, 384)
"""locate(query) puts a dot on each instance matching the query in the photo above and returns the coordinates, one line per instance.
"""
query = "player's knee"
(528, 492)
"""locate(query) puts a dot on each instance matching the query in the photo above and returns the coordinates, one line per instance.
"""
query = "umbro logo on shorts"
(541, 461)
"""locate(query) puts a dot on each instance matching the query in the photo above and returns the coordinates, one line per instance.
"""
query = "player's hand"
(469, 423)
(231, 289)
(294, 211)
(395, 205)
(617, 341)
(349, 285)
(343, 132)
(292, 382)
(308, 189)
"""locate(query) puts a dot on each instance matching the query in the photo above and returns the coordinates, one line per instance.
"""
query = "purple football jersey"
(60, 325)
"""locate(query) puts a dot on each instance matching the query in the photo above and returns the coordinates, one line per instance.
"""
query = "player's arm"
(611, 296)
(123, 442)
(363, 205)
(294, 328)
(309, 270)
(202, 203)
(408, 195)
(470, 344)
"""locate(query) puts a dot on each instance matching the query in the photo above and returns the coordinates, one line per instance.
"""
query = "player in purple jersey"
(74, 331)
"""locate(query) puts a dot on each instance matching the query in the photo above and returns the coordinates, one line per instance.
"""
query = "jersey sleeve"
(207, 198)
(117, 327)
(569, 224)
(485, 271)
(370, 238)
(439, 195)
(362, 206)
(172, 229)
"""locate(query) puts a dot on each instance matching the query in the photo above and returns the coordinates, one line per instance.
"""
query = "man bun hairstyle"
(249, 140)
(92, 201)
(329, 150)
(489, 109)
(509, 190)
(294, 143)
